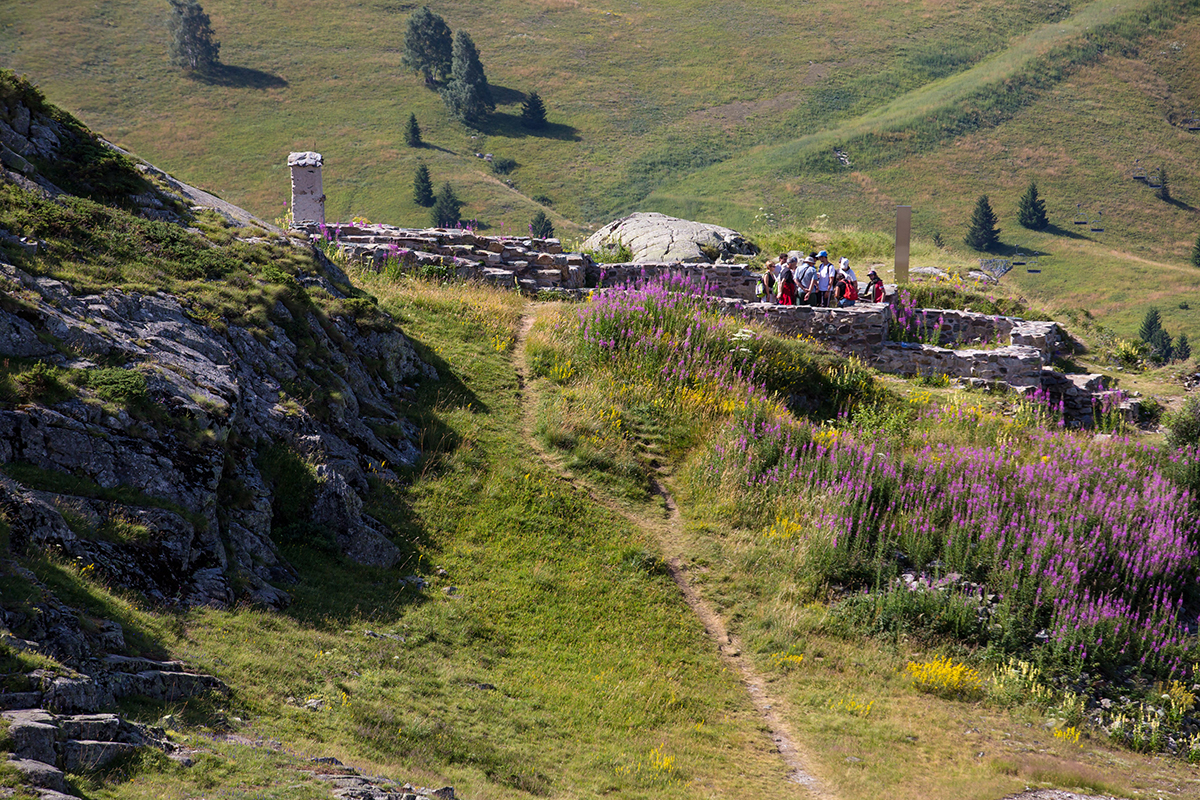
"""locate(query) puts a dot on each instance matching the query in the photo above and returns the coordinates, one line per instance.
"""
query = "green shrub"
(1184, 428)
(124, 387)
(503, 166)
(42, 383)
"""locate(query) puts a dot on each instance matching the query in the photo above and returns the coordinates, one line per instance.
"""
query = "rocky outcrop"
(47, 745)
(211, 396)
(651, 237)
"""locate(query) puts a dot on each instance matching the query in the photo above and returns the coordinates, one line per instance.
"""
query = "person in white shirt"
(826, 274)
(845, 262)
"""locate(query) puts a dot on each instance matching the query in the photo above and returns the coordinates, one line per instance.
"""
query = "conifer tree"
(1196, 253)
(1031, 210)
(427, 45)
(1164, 188)
(446, 208)
(1151, 325)
(1162, 346)
(423, 187)
(1183, 350)
(192, 45)
(533, 112)
(412, 134)
(983, 232)
(541, 226)
(467, 95)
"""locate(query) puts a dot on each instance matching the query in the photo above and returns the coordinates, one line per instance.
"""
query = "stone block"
(32, 738)
(95, 727)
(82, 756)
(37, 773)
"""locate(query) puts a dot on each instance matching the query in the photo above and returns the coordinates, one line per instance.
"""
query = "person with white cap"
(845, 262)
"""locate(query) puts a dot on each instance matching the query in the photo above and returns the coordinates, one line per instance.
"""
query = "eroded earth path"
(667, 531)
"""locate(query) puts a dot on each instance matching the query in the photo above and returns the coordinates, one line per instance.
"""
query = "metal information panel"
(903, 233)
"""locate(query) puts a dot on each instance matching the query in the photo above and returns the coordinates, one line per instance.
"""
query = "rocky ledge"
(186, 471)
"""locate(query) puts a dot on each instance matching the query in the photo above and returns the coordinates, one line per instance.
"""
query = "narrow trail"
(667, 532)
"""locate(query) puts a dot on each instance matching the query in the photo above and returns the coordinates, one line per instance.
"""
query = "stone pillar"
(308, 198)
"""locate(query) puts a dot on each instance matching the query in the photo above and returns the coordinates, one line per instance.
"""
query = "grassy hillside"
(655, 107)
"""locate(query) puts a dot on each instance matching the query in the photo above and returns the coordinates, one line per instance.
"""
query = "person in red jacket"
(847, 291)
(874, 287)
(787, 284)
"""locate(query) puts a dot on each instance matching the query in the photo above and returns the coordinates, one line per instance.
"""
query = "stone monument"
(308, 198)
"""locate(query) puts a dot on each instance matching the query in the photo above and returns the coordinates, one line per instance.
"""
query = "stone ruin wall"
(532, 265)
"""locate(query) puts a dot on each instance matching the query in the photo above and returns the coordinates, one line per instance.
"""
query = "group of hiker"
(814, 280)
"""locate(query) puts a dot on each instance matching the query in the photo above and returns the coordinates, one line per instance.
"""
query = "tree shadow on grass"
(505, 96)
(1175, 201)
(508, 125)
(243, 77)
(1067, 233)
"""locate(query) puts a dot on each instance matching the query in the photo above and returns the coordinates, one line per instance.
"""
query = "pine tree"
(1151, 325)
(1164, 189)
(541, 226)
(412, 134)
(533, 112)
(467, 95)
(983, 232)
(423, 187)
(192, 45)
(427, 45)
(1196, 253)
(1183, 350)
(1161, 344)
(1031, 210)
(446, 208)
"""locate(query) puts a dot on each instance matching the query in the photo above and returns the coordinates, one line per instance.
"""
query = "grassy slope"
(308, 74)
(329, 76)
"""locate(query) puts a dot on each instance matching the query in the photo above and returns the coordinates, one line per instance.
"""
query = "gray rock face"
(214, 387)
(361, 538)
(656, 237)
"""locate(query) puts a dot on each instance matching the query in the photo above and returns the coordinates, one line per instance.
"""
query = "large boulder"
(654, 237)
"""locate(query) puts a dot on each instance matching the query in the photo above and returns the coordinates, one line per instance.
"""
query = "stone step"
(84, 755)
(39, 774)
(130, 664)
(92, 727)
(50, 794)
(19, 700)
(33, 735)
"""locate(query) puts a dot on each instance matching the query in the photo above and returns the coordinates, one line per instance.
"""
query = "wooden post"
(903, 234)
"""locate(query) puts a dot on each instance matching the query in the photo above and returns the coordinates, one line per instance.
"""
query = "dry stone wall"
(1018, 350)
